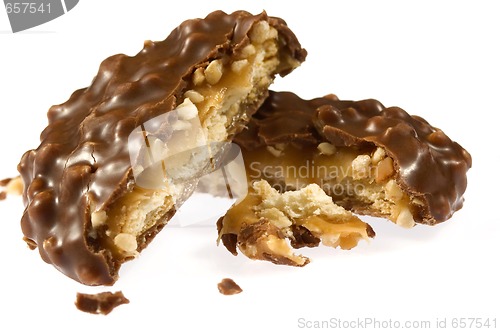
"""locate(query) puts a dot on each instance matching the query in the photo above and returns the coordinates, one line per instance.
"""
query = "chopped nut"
(392, 191)
(259, 32)
(361, 167)
(187, 110)
(405, 219)
(213, 72)
(378, 155)
(98, 218)
(194, 96)
(126, 242)
(228, 287)
(198, 76)
(326, 148)
(384, 170)
(238, 66)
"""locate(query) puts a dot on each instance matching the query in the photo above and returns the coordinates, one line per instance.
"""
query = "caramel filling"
(362, 180)
(220, 92)
(265, 219)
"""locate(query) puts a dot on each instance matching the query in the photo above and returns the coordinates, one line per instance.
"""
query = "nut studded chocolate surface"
(429, 165)
(82, 163)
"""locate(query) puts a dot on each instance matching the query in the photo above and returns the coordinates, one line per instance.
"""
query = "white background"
(437, 59)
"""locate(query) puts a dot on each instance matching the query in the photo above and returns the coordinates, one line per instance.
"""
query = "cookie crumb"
(101, 303)
(227, 286)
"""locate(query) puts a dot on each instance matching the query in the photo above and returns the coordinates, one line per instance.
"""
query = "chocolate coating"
(429, 165)
(82, 163)
(283, 118)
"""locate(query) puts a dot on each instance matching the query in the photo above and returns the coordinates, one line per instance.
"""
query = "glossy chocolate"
(429, 165)
(82, 163)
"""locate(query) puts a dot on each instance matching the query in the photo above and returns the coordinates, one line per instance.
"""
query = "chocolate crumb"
(227, 286)
(3, 195)
(5, 182)
(101, 303)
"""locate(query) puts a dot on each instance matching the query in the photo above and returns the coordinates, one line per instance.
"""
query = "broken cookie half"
(84, 210)
(370, 159)
(267, 224)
